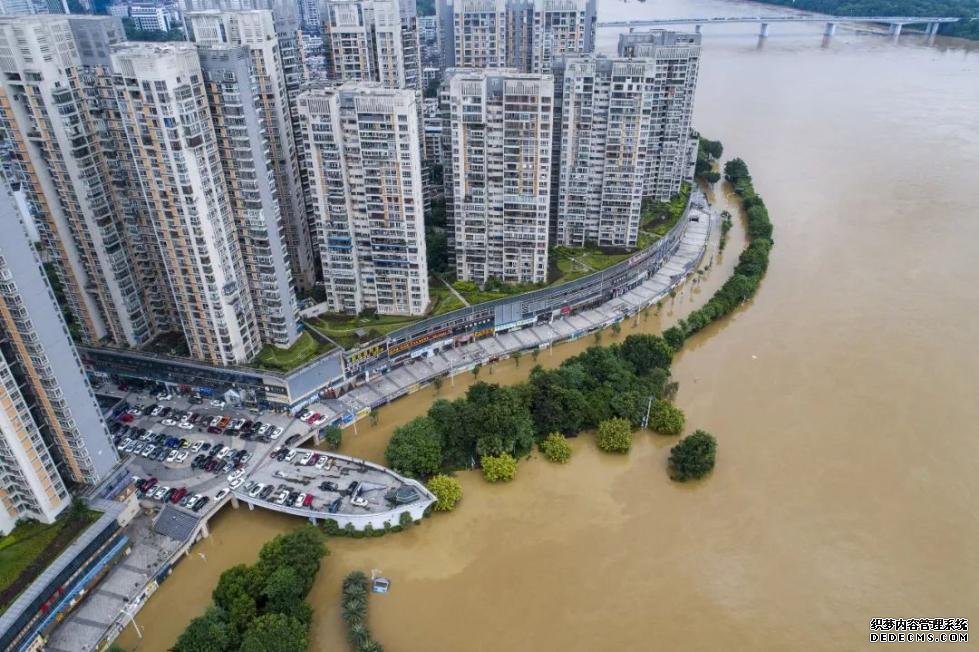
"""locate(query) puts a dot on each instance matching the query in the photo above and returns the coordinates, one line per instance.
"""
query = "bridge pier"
(830, 29)
(205, 532)
(234, 501)
(312, 519)
(697, 28)
(251, 507)
(316, 437)
(932, 32)
(764, 30)
(896, 30)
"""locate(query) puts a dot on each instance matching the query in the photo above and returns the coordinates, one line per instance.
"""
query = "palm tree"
(437, 384)
(476, 369)
(358, 634)
(516, 357)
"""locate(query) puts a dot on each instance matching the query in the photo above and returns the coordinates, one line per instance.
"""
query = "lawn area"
(343, 328)
(659, 217)
(492, 289)
(31, 546)
(443, 300)
(569, 263)
(305, 349)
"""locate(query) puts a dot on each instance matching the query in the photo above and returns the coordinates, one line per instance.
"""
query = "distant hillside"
(968, 10)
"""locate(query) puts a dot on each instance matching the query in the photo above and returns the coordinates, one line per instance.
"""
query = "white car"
(322, 461)
(291, 455)
(160, 493)
(305, 414)
(183, 425)
(172, 456)
(221, 494)
(197, 446)
(122, 445)
(283, 497)
(235, 475)
(234, 484)
(306, 458)
(181, 456)
(218, 403)
(275, 433)
(149, 450)
(264, 428)
(156, 411)
(169, 422)
(257, 489)
(164, 397)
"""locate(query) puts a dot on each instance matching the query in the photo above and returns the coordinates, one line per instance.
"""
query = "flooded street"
(843, 399)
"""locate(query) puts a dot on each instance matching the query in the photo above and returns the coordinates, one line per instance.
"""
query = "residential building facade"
(238, 103)
(677, 60)
(365, 174)
(497, 157)
(53, 115)
(163, 100)
(51, 428)
(604, 120)
(524, 34)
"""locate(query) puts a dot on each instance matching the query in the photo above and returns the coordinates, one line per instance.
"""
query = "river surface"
(843, 398)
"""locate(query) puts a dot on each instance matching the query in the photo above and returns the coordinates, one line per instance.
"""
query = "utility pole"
(649, 407)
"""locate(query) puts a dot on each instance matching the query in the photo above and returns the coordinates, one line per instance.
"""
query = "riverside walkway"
(409, 378)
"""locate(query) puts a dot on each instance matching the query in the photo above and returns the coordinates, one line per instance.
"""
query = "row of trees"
(493, 426)
(751, 267)
(709, 152)
(353, 610)
(262, 607)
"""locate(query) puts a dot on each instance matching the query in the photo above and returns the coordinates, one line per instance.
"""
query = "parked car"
(334, 507)
(218, 403)
(292, 439)
(305, 459)
(322, 461)
(307, 500)
(256, 490)
(275, 432)
(318, 419)
(290, 455)
(177, 495)
(172, 456)
(181, 456)
(326, 485)
(199, 505)
(185, 425)
(169, 422)
(220, 494)
(160, 492)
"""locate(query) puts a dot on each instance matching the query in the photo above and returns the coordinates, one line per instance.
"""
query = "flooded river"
(843, 398)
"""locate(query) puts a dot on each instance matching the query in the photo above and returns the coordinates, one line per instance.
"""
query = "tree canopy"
(693, 457)
(615, 436)
(415, 449)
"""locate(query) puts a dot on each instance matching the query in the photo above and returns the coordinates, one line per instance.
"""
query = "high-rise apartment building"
(290, 53)
(524, 34)
(365, 174)
(238, 106)
(372, 40)
(497, 156)
(677, 59)
(51, 428)
(162, 98)
(53, 73)
(603, 122)
(250, 104)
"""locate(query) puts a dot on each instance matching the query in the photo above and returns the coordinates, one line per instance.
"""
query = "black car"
(292, 440)
(334, 507)
(352, 488)
(200, 504)
(266, 492)
(328, 486)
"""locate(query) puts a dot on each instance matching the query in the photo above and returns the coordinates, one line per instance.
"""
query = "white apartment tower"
(256, 31)
(498, 131)
(372, 40)
(524, 34)
(365, 175)
(51, 428)
(163, 101)
(238, 103)
(603, 123)
(677, 60)
(53, 70)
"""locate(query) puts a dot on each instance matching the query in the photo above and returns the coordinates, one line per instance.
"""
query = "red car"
(313, 460)
(313, 417)
(149, 484)
(177, 495)
(308, 500)
(126, 417)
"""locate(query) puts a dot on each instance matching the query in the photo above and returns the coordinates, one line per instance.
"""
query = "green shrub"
(499, 468)
(405, 520)
(447, 490)
(693, 457)
(556, 448)
(665, 418)
(615, 436)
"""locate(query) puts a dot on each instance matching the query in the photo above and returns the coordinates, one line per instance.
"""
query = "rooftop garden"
(350, 330)
(658, 217)
(305, 349)
(31, 546)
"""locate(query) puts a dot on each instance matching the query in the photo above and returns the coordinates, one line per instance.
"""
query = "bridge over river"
(896, 23)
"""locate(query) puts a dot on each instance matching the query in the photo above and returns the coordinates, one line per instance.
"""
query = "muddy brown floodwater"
(843, 398)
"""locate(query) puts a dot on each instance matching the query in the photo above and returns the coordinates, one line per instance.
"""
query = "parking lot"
(326, 483)
(193, 448)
